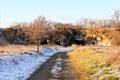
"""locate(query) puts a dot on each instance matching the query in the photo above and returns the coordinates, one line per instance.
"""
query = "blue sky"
(16, 11)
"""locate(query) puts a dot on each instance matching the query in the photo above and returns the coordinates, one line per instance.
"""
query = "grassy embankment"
(96, 63)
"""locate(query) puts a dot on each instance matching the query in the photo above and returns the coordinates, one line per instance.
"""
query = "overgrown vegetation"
(86, 32)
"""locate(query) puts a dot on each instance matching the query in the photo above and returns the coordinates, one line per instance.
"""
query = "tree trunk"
(38, 44)
(37, 48)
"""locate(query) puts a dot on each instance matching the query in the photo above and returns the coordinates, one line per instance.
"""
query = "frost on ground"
(55, 72)
(21, 66)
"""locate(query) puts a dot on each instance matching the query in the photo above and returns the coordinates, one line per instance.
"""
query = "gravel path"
(44, 72)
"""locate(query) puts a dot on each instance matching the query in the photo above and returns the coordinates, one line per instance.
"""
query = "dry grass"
(13, 49)
(84, 59)
(115, 38)
(115, 57)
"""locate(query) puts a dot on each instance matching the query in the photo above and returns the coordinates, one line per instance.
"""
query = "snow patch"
(21, 66)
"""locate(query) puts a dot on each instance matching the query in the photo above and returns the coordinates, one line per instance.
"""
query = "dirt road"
(66, 72)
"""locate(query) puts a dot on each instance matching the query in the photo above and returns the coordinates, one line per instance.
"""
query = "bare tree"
(116, 18)
(38, 30)
(117, 15)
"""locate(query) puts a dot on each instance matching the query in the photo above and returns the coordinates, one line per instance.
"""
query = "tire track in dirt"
(43, 72)
(67, 72)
